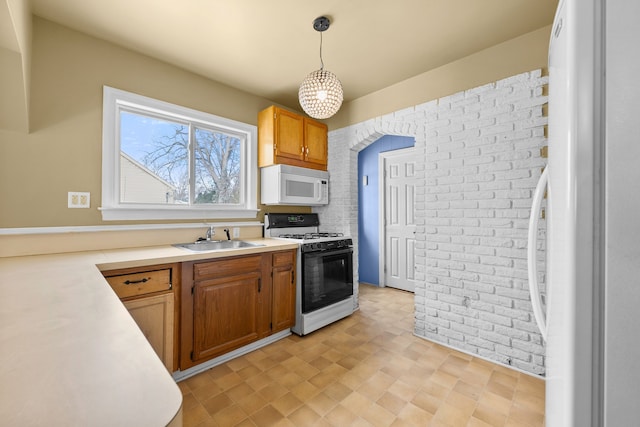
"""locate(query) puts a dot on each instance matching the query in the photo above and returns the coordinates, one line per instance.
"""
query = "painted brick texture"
(481, 150)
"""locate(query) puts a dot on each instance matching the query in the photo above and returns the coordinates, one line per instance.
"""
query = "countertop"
(71, 355)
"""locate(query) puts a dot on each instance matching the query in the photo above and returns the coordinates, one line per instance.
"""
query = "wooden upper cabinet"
(289, 134)
(289, 138)
(315, 143)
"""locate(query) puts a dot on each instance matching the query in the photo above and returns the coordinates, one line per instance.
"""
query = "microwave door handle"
(319, 190)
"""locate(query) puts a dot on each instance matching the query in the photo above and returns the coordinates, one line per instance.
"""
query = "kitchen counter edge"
(72, 354)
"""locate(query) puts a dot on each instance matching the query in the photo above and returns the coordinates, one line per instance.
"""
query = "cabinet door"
(284, 290)
(315, 143)
(154, 316)
(224, 314)
(289, 135)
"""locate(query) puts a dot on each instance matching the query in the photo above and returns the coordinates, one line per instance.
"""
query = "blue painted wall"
(368, 216)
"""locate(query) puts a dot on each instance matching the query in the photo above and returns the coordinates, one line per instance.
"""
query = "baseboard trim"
(183, 375)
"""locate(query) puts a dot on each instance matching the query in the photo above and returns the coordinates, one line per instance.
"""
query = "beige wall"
(63, 150)
(15, 64)
(519, 55)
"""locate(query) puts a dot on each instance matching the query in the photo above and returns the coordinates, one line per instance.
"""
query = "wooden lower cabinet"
(284, 290)
(154, 316)
(148, 294)
(229, 302)
(225, 314)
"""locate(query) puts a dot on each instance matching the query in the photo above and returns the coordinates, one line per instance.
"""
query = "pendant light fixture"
(320, 93)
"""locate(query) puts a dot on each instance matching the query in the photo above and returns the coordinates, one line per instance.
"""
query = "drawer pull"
(133, 282)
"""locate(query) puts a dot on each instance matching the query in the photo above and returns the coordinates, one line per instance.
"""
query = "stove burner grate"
(310, 236)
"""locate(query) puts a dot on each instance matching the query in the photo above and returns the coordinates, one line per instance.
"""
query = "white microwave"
(292, 185)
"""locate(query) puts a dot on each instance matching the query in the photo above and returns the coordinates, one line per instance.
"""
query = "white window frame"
(112, 209)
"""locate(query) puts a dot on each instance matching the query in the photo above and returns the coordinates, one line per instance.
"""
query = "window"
(163, 161)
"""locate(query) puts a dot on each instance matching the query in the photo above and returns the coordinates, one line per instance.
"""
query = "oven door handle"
(328, 251)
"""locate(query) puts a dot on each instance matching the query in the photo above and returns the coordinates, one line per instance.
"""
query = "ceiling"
(267, 47)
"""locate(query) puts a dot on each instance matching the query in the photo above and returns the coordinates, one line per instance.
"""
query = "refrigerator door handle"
(534, 290)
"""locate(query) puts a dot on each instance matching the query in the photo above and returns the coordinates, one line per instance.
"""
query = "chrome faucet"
(210, 233)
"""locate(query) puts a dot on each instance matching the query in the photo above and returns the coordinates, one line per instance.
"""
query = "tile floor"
(366, 370)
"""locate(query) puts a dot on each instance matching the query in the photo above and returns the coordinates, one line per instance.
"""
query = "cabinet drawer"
(227, 267)
(283, 258)
(134, 284)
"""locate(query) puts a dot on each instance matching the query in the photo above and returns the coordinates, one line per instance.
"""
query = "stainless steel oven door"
(327, 278)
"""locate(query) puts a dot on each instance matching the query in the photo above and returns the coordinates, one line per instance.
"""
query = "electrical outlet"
(236, 232)
(76, 199)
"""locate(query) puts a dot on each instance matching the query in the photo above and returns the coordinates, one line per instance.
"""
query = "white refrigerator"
(591, 321)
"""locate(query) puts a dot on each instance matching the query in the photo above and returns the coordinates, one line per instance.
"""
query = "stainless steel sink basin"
(216, 245)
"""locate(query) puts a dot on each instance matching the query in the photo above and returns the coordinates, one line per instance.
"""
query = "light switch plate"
(76, 199)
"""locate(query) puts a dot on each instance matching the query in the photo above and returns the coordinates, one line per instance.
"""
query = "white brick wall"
(481, 151)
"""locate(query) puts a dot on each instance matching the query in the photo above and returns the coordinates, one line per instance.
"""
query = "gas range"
(324, 266)
(304, 229)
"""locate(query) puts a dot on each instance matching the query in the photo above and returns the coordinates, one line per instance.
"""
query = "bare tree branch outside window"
(163, 151)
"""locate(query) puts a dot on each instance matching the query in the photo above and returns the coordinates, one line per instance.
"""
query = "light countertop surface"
(70, 353)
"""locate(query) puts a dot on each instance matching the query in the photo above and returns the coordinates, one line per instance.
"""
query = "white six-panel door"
(398, 222)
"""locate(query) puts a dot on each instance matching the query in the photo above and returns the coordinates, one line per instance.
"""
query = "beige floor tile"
(392, 403)
(304, 416)
(273, 391)
(403, 390)
(217, 403)
(496, 402)
(206, 391)
(287, 404)
(366, 370)
(341, 416)
(427, 402)
(357, 403)
(379, 416)
(414, 416)
(252, 403)
(267, 417)
(230, 416)
(321, 403)
(189, 401)
(487, 415)
(305, 391)
(194, 416)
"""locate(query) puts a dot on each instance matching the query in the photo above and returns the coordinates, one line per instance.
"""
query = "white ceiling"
(267, 47)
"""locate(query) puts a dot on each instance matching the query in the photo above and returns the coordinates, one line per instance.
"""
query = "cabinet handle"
(307, 151)
(259, 285)
(133, 282)
(302, 152)
(292, 277)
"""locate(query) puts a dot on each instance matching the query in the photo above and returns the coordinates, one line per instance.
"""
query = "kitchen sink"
(216, 245)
